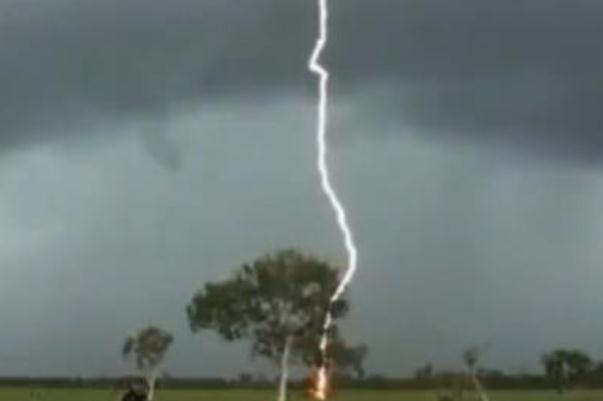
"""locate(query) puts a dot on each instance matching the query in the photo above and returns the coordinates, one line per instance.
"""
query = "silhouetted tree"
(279, 302)
(565, 368)
(471, 358)
(424, 372)
(148, 348)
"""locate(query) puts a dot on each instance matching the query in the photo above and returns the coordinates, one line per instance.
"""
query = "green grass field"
(7, 394)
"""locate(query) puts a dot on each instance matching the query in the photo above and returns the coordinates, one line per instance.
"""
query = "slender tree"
(425, 372)
(278, 302)
(148, 348)
(471, 359)
(555, 369)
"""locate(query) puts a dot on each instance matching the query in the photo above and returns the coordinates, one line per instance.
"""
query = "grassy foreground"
(9, 394)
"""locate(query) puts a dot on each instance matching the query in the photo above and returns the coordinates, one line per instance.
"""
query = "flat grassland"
(24, 394)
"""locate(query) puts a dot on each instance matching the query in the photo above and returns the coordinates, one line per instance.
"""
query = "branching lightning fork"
(327, 187)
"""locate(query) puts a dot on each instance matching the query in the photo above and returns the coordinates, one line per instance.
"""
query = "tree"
(148, 348)
(564, 368)
(279, 302)
(425, 372)
(471, 358)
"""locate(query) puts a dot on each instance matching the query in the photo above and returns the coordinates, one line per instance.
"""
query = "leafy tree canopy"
(148, 347)
(278, 298)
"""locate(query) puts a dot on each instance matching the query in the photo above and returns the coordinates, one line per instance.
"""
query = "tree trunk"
(478, 386)
(151, 380)
(284, 370)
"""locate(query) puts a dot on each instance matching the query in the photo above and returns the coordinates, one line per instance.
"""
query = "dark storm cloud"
(69, 64)
(520, 72)
(526, 73)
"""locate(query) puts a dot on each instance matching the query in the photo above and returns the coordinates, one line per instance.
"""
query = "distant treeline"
(116, 382)
(492, 380)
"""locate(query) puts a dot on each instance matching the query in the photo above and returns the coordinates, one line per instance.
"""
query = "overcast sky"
(149, 146)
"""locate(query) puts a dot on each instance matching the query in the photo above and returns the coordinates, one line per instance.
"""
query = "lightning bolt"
(318, 69)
